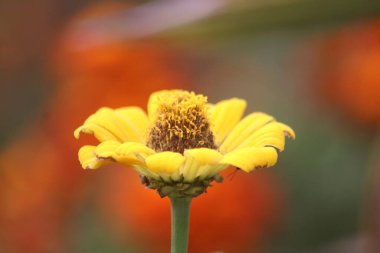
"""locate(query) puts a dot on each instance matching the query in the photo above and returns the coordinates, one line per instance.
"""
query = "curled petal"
(132, 153)
(88, 159)
(106, 118)
(224, 116)
(124, 124)
(269, 135)
(106, 150)
(252, 158)
(288, 131)
(99, 132)
(244, 129)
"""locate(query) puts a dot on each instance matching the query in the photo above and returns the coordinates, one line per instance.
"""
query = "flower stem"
(180, 224)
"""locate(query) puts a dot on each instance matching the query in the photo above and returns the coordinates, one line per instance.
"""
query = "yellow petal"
(288, 131)
(200, 163)
(224, 116)
(88, 159)
(204, 155)
(99, 132)
(136, 118)
(144, 171)
(166, 164)
(132, 153)
(106, 150)
(244, 129)
(123, 128)
(106, 118)
(124, 124)
(249, 159)
(269, 135)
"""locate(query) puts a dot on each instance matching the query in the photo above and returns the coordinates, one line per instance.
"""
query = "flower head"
(183, 143)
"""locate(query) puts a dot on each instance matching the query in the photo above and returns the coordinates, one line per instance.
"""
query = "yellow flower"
(183, 143)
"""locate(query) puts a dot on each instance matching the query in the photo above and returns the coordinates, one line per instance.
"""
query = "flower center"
(180, 123)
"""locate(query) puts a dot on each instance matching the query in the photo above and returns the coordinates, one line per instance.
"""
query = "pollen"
(180, 123)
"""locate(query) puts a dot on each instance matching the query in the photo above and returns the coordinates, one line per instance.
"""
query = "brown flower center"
(181, 122)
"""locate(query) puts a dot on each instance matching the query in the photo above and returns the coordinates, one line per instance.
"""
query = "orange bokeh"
(31, 209)
(347, 71)
(232, 217)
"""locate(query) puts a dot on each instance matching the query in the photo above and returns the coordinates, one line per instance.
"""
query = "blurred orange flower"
(253, 209)
(347, 71)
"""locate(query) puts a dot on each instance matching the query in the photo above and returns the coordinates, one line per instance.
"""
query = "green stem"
(180, 224)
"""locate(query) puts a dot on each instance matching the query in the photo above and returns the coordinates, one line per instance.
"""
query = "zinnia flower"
(183, 143)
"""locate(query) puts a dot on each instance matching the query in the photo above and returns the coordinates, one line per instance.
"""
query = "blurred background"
(313, 64)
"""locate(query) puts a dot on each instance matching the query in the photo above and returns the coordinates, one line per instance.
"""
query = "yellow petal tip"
(77, 132)
(288, 131)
